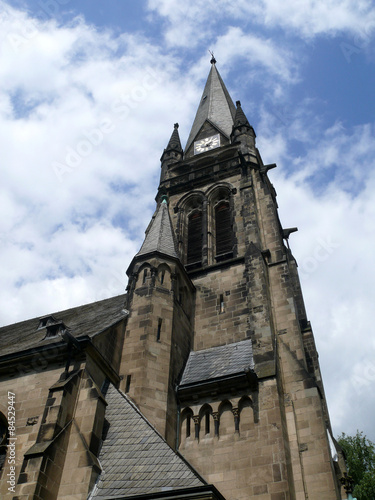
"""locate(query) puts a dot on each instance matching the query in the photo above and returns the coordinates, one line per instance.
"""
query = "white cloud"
(306, 18)
(77, 129)
(258, 52)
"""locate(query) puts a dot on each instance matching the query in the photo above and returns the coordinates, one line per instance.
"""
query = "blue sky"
(88, 98)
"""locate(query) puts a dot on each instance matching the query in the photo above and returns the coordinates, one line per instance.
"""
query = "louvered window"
(195, 240)
(224, 243)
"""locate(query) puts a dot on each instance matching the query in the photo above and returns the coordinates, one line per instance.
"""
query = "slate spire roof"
(160, 236)
(216, 106)
(240, 117)
(174, 143)
(135, 459)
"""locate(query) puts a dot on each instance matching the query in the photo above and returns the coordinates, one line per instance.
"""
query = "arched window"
(195, 238)
(223, 226)
(245, 407)
(187, 425)
(226, 428)
(205, 417)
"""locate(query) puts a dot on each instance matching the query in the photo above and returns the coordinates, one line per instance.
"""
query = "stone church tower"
(202, 381)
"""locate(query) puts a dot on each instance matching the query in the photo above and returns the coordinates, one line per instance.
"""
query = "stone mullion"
(236, 414)
(196, 420)
(216, 418)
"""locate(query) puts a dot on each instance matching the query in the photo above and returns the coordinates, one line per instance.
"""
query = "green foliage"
(360, 460)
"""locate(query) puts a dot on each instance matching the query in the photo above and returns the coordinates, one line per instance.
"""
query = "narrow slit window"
(144, 276)
(162, 277)
(128, 380)
(158, 333)
(222, 306)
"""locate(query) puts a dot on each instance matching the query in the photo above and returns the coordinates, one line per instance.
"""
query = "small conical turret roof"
(240, 118)
(160, 236)
(174, 142)
(216, 106)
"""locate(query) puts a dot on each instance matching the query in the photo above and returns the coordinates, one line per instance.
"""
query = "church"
(202, 381)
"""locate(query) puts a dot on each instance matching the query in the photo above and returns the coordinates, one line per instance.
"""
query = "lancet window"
(195, 238)
(205, 227)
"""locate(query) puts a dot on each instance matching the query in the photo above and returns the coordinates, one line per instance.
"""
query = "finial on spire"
(213, 60)
(176, 125)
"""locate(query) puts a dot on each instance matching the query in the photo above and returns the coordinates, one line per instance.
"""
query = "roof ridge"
(62, 311)
(222, 346)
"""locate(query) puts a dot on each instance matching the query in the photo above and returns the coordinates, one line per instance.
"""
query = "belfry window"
(195, 238)
(224, 240)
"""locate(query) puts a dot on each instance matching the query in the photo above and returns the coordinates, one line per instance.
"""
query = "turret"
(242, 130)
(159, 333)
(172, 153)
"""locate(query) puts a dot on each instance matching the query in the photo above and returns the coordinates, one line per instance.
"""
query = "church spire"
(216, 106)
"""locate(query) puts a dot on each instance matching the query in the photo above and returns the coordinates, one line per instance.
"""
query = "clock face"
(206, 144)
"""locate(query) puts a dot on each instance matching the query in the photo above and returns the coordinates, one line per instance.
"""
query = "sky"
(89, 94)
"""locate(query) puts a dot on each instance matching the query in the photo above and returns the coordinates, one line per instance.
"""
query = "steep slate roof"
(88, 319)
(216, 106)
(135, 459)
(174, 142)
(216, 362)
(240, 117)
(160, 236)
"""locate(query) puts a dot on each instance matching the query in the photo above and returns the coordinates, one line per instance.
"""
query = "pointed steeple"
(240, 119)
(216, 106)
(174, 143)
(160, 235)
